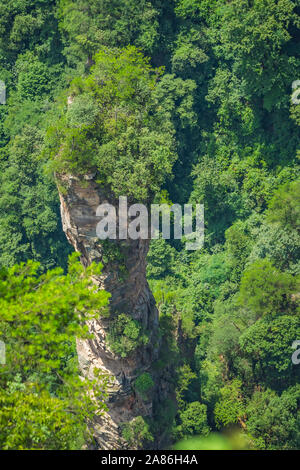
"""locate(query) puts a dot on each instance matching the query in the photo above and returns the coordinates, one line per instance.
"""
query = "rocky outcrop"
(130, 294)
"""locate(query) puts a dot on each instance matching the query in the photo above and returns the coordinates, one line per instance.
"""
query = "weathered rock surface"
(130, 294)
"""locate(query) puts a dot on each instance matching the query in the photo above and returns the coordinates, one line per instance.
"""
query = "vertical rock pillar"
(130, 295)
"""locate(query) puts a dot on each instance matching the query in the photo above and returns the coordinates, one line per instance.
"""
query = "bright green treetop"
(114, 125)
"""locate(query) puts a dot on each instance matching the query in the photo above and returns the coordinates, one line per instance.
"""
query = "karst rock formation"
(130, 294)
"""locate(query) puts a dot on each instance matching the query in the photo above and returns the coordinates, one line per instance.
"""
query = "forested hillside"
(212, 80)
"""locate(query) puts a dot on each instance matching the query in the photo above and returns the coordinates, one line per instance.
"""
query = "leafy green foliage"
(230, 409)
(160, 259)
(274, 420)
(44, 402)
(137, 432)
(265, 290)
(143, 384)
(184, 378)
(88, 27)
(29, 214)
(194, 420)
(284, 207)
(125, 335)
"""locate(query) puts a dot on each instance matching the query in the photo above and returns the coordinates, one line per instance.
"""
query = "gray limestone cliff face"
(130, 294)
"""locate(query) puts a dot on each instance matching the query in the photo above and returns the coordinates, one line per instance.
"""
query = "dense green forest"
(206, 117)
